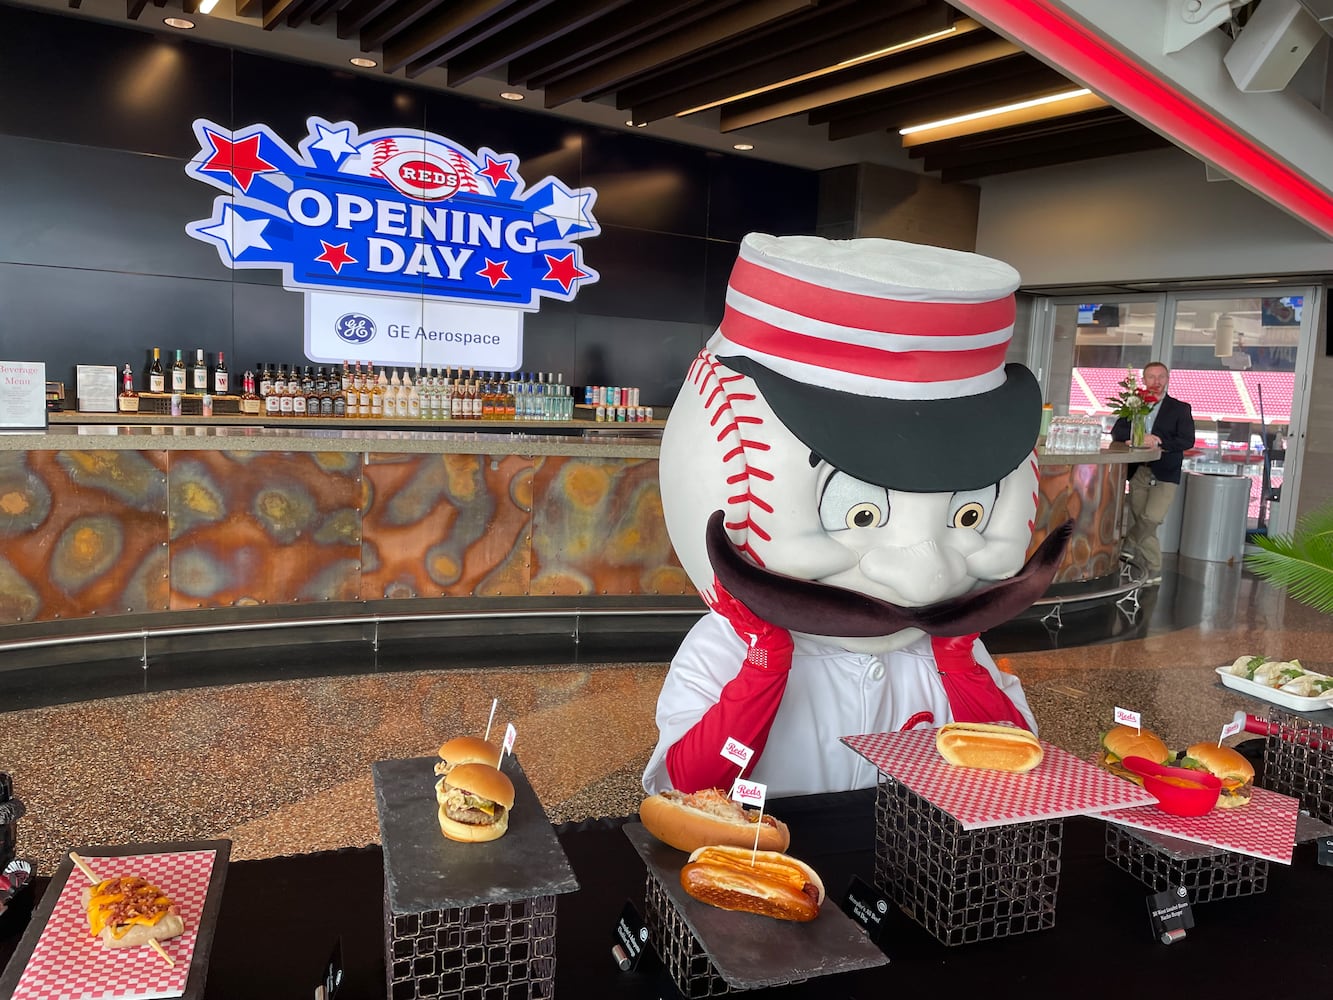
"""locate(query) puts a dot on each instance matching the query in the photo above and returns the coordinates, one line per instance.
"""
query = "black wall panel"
(96, 266)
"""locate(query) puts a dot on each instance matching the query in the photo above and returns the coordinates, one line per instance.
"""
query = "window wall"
(1236, 356)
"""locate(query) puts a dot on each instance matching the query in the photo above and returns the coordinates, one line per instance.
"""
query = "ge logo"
(882, 906)
(355, 328)
(643, 933)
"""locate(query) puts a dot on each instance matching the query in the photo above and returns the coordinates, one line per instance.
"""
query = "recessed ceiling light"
(633, 124)
(178, 22)
(509, 95)
(743, 146)
(363, 62)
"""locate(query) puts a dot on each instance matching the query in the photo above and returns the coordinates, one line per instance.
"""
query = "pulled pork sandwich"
(475, 800)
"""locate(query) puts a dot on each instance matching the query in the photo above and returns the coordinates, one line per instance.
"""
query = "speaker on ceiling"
(1272, 46)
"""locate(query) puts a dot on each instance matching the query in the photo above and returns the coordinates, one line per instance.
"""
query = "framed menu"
(22, 395)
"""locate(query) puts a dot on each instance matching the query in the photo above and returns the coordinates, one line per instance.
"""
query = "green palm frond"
(1302, 562)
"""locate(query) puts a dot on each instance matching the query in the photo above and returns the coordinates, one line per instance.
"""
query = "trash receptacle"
(1216, 508)
(1168, 535)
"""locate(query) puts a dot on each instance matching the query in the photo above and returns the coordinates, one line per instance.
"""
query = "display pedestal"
(963, 885)
(466, 921)
(1161, 862)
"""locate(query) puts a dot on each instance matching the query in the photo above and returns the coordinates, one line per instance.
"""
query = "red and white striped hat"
(886, 358)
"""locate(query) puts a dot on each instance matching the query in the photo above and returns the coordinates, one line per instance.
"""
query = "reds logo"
(420, 175)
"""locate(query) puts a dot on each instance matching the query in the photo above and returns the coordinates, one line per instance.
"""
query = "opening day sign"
(443, 249)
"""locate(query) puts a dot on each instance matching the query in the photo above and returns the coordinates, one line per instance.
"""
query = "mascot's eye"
(850, 503)
(972, 509)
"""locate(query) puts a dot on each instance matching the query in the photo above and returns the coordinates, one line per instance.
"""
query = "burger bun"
(472, 833)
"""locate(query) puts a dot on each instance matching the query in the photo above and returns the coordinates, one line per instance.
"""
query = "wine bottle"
(157, 380)
(178, 373)
(199, 382)
(221, 378)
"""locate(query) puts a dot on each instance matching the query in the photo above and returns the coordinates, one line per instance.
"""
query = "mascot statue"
(848, 477)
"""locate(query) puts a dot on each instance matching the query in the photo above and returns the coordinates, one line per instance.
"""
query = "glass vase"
(1138, 427)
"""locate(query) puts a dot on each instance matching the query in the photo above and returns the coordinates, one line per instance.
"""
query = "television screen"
(1284, 311)
(1096, 314)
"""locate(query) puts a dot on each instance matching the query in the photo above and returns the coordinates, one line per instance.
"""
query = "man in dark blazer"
(1152, 485)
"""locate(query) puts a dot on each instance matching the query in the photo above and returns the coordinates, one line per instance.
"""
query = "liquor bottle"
(511, 400)
(345, 375)
(221, 378)
(300, 401)
(325, 389)
(272, 398)
(311, 392)
(178, 373)
(128, 400)
(265, 380)
(251, 403)
(199, 379)
(157, 379)
(341, 398)
(413, 396)
(378, 386)
(364, 393)
(393, 395)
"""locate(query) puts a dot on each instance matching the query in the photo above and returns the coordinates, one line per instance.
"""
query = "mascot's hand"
(767, 645)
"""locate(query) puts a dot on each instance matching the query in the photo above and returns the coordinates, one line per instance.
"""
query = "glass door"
(1092, 343)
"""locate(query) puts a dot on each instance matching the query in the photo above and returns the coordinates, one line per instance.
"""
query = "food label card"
(68, 962)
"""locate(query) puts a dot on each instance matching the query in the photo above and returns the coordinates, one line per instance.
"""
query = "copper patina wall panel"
(1092, 496)
(82, 533)
(446, 525)
(598, 529)
(263, 528)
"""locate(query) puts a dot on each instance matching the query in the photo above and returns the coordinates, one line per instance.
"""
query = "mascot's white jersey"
(830, 693)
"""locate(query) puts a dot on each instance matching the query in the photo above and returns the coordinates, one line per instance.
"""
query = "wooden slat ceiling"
(757, 61)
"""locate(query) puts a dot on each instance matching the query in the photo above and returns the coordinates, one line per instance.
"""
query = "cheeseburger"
(466, 750)
(475, 800)
(1126, 741)
(1235, 772)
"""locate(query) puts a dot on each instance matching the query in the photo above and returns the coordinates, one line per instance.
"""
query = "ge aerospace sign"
(397, 213)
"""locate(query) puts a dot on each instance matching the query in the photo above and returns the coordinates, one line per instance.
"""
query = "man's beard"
(820, 609)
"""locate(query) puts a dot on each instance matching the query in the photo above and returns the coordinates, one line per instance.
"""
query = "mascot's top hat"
(886, 359)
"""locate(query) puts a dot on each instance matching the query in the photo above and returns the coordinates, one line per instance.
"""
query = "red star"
(494, 271)
(563, 270)
(336, 255)
(496, 170)
(240, 159)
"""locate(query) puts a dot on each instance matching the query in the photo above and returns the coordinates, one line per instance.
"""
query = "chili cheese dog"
(998, 748)
(129, 911)
(774, 885)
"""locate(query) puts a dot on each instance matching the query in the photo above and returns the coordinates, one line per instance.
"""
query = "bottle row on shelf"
(352, 390)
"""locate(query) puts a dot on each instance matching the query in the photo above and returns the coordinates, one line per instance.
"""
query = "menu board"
(22, 395)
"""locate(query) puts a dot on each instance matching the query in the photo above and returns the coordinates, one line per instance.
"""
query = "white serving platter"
(1284, 698)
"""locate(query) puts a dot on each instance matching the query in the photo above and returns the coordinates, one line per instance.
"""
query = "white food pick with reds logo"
(510, 735)
(750, 793)
(1231, 728)
(1124, 717)
(736, 752)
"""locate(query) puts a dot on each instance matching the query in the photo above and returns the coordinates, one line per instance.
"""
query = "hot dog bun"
(688, 821)
(775, 885)
(998, 748)
(168, 927)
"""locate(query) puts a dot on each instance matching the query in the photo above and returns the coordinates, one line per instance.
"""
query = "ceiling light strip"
(1003, 109)
(1086, 57)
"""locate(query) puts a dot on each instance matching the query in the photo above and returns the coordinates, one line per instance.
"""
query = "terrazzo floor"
(283, 766)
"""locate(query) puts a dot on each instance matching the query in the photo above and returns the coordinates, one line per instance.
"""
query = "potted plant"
(1302, 562)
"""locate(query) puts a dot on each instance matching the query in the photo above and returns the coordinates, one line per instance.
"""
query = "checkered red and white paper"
(70, 964)
(1266, 828)
(1061, 785)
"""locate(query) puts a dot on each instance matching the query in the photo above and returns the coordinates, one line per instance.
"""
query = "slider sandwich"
(1126, 741)
(466, 750)
(475, 800)
(1233, 770)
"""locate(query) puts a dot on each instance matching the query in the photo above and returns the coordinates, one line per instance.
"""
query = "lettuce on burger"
(1126, 741)
(1235, 772)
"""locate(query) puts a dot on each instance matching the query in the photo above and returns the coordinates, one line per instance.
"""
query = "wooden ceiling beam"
(527, 34)
(249, 8)
(477, 35)
(133, 8)
(1041, 82)
(1025, 160)
(690, 39)
(620, 26)
(1057, 133)
(276, 12)
(822, 93)
(300, 12)
(437, 30)
(397, 18)
(358, 13)
(326, 9)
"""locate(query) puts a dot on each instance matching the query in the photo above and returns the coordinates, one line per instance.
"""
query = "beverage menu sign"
(409, 247)
(22, 395)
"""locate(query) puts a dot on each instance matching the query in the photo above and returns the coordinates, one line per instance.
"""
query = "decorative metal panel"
(1093, 496)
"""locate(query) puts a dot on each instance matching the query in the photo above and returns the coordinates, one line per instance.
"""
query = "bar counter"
(184, 516)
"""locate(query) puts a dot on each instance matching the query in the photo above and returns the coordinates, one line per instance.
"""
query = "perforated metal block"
(964, 885)
(1298, 761)
(1206, 874)
(496, 951)
(681, 954)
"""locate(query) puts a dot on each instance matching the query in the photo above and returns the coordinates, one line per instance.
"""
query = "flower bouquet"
(1133, 403)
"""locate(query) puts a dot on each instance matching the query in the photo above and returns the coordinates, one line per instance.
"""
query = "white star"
(334, 142)
(566, 210)
(238, 233)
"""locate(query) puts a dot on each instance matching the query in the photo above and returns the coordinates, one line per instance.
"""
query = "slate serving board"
(424, 870)
(751, 951)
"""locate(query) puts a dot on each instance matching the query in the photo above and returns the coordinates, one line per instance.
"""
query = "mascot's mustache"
(819, 609)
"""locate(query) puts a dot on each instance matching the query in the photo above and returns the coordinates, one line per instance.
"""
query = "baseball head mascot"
(848, 477)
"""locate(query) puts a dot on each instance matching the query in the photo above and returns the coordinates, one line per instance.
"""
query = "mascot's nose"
(919, 574)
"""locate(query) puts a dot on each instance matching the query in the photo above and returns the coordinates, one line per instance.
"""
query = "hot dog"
(691, 820)
(998, 748)
(774, 885)
(128, 912)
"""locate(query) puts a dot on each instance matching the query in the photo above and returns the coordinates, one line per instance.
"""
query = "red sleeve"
(745, 711)
(746, 706)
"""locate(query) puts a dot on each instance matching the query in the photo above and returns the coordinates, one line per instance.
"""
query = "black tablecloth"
(281, 918)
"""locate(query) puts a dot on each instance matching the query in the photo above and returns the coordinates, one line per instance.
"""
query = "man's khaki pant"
(1149, 500)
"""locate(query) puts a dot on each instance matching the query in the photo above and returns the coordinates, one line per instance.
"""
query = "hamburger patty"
(465, 808)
